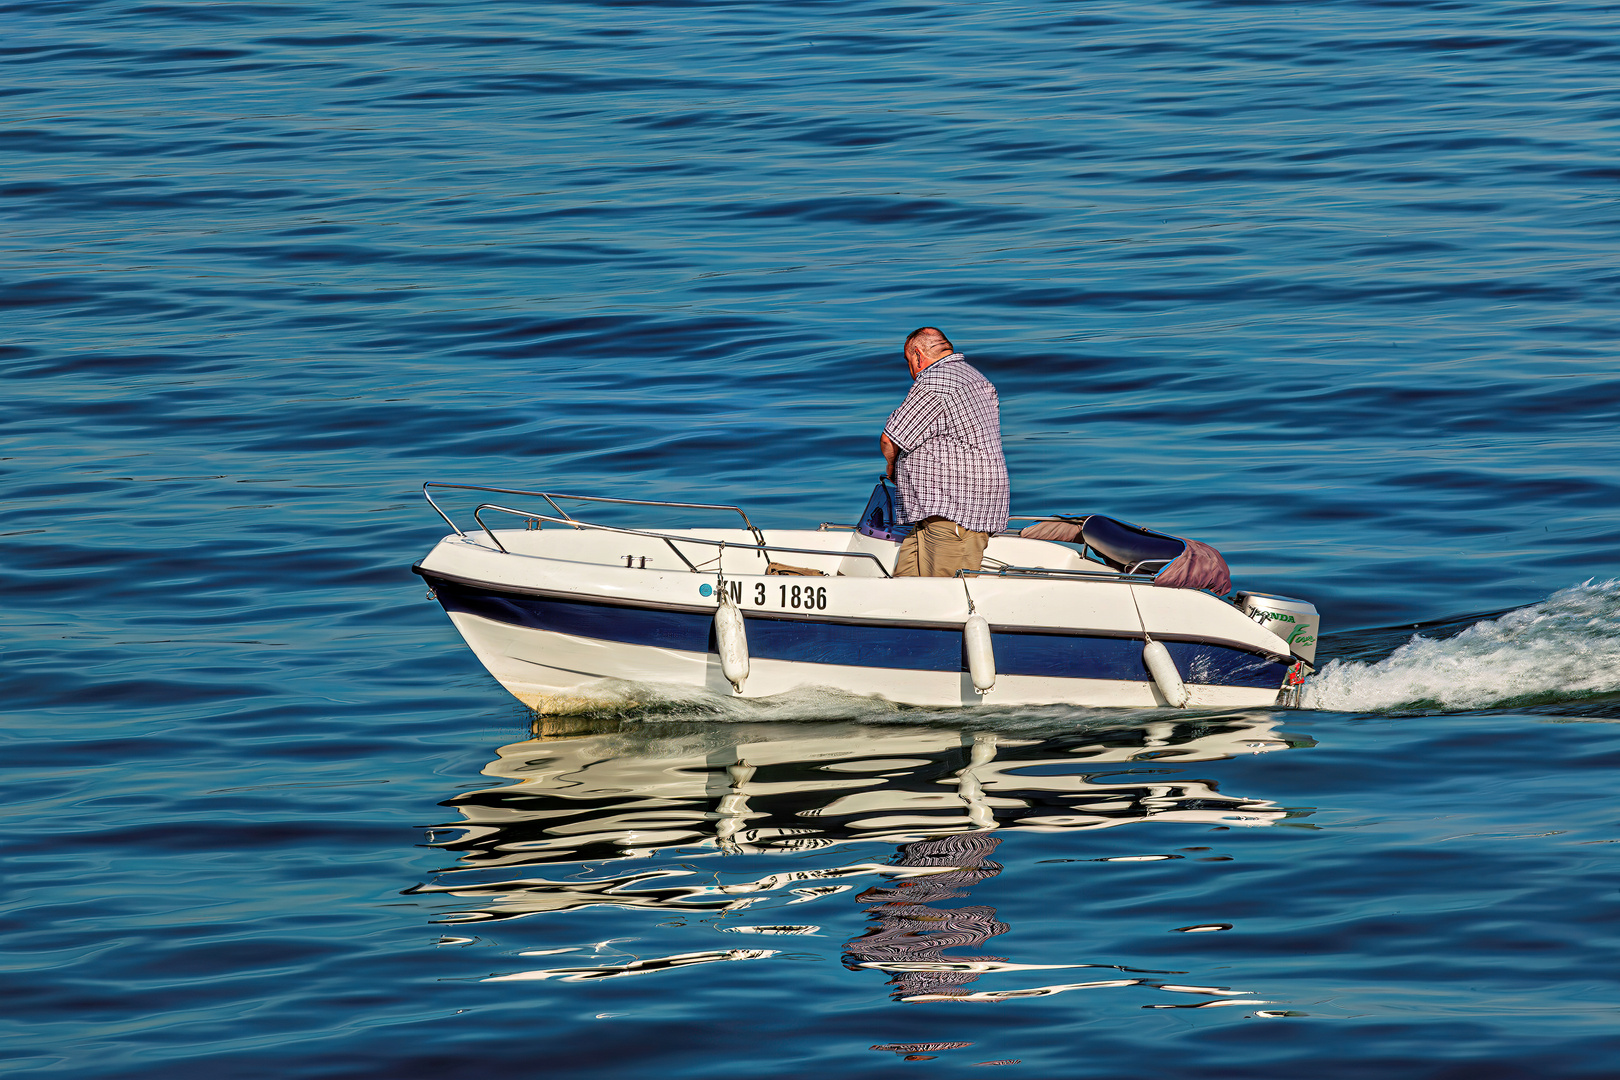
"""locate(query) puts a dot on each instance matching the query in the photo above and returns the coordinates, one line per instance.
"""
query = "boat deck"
(836, 553)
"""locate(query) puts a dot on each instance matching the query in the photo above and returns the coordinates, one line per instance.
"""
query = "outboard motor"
(1295, 621)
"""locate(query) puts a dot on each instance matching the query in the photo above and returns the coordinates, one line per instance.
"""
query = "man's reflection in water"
(906, 930)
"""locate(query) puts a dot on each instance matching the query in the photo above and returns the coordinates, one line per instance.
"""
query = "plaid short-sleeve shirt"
(949, 432)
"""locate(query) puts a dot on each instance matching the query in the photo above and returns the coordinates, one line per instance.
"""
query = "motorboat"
(568, 612)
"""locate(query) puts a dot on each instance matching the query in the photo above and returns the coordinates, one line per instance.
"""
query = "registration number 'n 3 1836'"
(796, 597)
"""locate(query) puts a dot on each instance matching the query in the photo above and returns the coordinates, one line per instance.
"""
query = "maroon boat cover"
(1053, 529)
(1198, 567)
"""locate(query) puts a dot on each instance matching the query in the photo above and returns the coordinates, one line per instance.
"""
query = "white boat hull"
(552, 672)
(568, 620)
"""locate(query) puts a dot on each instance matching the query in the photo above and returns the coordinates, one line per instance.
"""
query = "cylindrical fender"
(980, 656)
(1165, 675)
(732, 641)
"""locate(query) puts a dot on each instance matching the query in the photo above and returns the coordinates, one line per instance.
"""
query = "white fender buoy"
(732, 641)
(980, 656)
(1163, 670)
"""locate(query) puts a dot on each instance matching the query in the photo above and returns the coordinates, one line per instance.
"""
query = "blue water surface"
(1332, 287)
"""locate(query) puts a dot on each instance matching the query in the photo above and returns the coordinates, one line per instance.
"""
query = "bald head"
(925, 345)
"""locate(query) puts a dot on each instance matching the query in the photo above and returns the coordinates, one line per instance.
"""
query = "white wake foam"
(617, 699)
(1567, 646)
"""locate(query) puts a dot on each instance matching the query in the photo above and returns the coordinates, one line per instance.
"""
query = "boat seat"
(1128, 548)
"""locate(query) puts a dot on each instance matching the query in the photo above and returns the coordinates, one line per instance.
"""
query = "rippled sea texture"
(1330, 286)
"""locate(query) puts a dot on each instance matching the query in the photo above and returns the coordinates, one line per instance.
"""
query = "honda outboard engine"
(1295, 621)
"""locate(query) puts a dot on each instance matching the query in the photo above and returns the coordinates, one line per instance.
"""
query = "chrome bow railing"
(667, 538)
(563, 517)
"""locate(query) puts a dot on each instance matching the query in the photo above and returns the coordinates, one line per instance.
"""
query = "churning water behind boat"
(1565, 649)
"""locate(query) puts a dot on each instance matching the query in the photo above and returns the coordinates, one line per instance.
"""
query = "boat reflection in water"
(624, 818)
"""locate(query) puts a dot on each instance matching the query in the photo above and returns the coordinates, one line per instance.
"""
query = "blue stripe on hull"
(1075, 657)
(911, 648)
(605, 622)
(1063, 656)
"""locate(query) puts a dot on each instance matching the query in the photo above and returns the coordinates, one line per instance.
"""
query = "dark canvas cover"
(1129, 547)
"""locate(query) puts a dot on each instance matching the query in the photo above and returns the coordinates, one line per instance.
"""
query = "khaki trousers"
(939, 548)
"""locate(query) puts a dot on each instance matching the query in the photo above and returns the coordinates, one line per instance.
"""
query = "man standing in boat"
(943, 451)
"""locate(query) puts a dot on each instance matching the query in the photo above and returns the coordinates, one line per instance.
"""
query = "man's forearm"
(891, 453)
